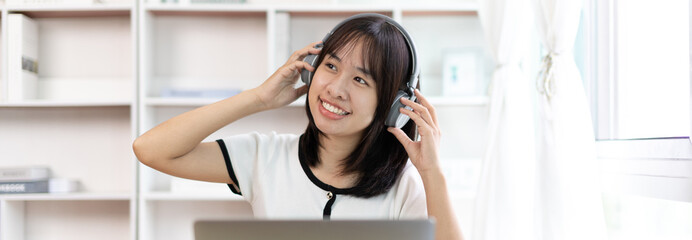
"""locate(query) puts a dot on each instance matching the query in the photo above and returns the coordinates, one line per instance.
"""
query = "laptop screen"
(423, 229)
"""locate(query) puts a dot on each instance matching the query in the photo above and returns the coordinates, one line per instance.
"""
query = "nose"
(338, 88)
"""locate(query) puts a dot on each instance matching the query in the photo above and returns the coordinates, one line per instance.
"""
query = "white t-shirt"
(278, 185)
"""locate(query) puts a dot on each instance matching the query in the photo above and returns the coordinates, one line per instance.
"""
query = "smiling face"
(362, 65)
(343, 93)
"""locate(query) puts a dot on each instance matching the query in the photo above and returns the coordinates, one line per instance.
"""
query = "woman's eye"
(331, 66)
(360, 80)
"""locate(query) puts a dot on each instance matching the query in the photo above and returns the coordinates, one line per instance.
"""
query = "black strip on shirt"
(229, 167)
(318, 182)
(327, 212)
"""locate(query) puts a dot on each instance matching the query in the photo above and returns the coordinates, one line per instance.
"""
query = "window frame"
(653, 167)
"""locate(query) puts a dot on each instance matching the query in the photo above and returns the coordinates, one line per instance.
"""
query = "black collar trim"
(316, 181)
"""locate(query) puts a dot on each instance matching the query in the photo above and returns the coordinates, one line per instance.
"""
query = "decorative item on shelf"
(63, 185)
(34, 180)
(462, 72)
(22, 53)
(198, 93)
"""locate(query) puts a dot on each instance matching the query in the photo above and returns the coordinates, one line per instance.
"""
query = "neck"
(332, 154)
(334, 150)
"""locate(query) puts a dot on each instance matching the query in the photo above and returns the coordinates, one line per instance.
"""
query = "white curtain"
(504, 200)
(568, 199)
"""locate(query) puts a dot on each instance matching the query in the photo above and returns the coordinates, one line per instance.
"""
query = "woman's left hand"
(423, 153)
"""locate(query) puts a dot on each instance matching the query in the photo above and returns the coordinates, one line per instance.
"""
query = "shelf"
(66, 196)
(70, 7)
(191, 50)
(316, 8)
(72, 10)
(191, 196)
(66, 103)
(346, 8)
(205, 10)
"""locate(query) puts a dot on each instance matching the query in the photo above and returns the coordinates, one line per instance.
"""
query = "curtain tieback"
(545, 82)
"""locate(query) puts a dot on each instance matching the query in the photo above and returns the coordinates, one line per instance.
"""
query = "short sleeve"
(255, 160)
(241, 153)
(411, 194)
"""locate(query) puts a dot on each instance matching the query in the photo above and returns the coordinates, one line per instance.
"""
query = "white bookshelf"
(87, 113)
(80, 124)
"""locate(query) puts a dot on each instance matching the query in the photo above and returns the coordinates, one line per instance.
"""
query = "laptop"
(423, 229)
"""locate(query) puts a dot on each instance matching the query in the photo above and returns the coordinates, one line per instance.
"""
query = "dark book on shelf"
(24, 187)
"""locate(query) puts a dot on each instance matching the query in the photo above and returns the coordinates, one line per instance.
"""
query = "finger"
(401, 136)
(314, 44)
(300, 65)
(315, 48)
(419, 110)
(424, 128)
(301, 53)
(292, 70)
(424, 101)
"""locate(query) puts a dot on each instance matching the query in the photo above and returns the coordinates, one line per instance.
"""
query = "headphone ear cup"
(305, 75)
(394, 117)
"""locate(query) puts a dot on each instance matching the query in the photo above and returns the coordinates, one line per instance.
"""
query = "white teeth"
(333, 109)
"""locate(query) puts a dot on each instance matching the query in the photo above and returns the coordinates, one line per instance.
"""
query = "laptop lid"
(423, 229)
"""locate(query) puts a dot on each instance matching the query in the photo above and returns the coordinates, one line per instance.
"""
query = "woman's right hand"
(278, 91)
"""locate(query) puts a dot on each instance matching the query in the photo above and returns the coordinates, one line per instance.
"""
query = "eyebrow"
(361, 69)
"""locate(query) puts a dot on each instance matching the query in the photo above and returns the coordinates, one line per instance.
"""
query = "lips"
(332, 111)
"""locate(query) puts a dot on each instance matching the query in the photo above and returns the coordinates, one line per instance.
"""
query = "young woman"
(347, 164)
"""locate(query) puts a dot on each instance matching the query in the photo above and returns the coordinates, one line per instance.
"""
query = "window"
(642, 60)
(637, 72)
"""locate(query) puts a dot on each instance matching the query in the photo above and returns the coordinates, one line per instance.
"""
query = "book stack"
(33, 180)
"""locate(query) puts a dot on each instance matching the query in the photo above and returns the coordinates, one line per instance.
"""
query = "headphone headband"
(415, 70)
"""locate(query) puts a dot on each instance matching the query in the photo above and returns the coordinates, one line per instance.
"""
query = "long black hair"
(379, 157)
